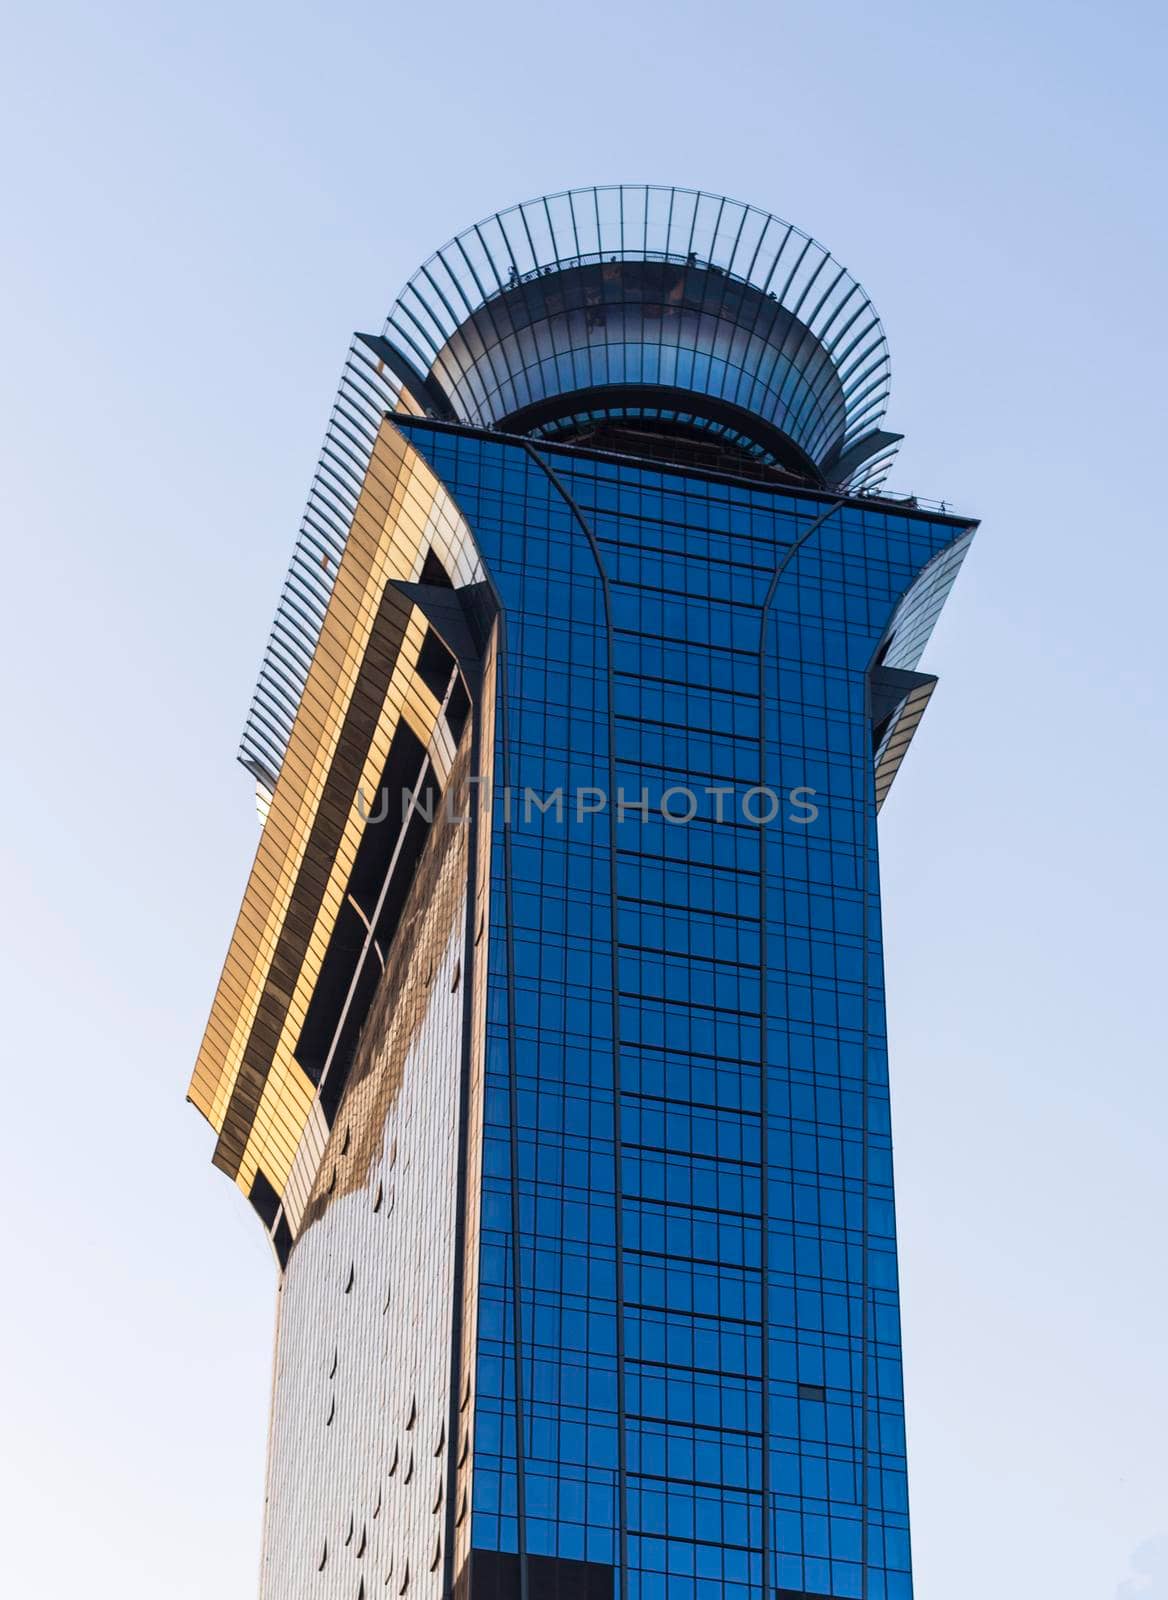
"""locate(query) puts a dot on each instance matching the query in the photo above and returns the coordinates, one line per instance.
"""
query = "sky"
(201, 203)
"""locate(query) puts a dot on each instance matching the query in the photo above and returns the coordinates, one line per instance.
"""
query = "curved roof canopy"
(664, 306)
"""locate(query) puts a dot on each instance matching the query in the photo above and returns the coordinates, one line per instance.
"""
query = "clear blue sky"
(200, 204)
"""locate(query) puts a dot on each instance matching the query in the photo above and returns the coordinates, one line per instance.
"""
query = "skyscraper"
(550, 1044)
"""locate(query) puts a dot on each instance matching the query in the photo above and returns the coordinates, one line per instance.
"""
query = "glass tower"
(550, 1044)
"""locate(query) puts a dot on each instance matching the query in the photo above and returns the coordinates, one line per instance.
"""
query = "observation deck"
(668, 311)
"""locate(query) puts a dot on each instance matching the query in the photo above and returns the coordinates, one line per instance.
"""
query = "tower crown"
(641, 309)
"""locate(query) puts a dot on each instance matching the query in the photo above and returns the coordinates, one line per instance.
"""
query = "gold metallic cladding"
(435, 909)
(275, 1133)
(900, 737)
(280, 886)
(402, 512)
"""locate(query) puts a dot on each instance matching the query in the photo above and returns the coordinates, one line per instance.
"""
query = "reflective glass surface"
(687, 1365)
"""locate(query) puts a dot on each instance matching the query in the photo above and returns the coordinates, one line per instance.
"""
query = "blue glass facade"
(688, 1362)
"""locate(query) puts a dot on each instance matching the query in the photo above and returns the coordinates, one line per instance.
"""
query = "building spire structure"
(549, 1047)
